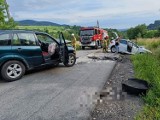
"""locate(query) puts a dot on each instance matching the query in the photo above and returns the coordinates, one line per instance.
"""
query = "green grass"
(147, 67)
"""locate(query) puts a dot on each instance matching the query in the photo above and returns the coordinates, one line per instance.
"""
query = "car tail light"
(45, 53)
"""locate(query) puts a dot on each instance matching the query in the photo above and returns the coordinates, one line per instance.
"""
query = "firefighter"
(105, 45)
(74, 42)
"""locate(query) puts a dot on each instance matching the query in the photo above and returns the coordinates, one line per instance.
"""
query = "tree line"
(141, 31)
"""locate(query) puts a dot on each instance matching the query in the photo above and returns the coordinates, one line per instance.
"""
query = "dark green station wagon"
(22, 50)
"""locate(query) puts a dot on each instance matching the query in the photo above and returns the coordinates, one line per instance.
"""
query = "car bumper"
(90, 44)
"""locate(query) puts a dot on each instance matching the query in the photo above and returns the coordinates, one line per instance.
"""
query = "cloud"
(87, 12)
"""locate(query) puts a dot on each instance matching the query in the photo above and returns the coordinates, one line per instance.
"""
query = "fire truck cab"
(92, 37)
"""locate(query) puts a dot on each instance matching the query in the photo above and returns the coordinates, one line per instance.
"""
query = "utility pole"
(159, 10)
(97, 23)
(7, 10)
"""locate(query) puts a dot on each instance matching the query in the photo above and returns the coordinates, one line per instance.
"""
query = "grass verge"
(147, 67)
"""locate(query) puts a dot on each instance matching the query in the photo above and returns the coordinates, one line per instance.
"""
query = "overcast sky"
(110, 13)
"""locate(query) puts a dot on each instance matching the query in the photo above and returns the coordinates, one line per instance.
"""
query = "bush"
(150, 34)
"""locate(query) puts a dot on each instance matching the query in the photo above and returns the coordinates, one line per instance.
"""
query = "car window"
(15, 40)
(123, 42)
(45, 38)
(96, 31)
(27, 39)
(5, 40)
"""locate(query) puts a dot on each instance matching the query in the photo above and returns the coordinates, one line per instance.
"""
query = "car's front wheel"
(113, 49)
(71, 60)
(12, 70)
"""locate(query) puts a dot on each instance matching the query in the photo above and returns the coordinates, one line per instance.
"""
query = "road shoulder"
(113, 103)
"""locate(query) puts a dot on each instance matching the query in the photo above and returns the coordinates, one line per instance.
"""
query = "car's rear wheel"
(71, 61)
(96, 46)
(12, 70)
(113, 49)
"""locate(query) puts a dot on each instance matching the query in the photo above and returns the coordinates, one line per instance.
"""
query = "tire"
(12, 70)
(96, 46)
(83, 48)
(93, 47)
(113, 49)
(101, 45)
(72, 60)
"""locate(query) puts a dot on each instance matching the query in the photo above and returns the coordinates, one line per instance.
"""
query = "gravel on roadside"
(113, 104)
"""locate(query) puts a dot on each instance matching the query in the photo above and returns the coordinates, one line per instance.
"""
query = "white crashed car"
(127, 46)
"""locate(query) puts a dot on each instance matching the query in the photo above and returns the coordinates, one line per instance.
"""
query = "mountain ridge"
(37, 23)
(154, 26)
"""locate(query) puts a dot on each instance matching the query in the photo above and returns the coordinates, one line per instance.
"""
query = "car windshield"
(87, 33)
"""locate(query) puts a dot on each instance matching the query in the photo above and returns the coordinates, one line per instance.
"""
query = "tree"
(131, 33)
(158, 32)
(150, 34)
(4, 22)
(138, 31)
(2, 16)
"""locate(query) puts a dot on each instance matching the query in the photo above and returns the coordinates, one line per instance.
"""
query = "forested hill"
(37, 23)
(154, 25)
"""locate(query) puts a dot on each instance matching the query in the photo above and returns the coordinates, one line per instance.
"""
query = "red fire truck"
(92, 37)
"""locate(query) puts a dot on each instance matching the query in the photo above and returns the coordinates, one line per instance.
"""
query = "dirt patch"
(113, 104)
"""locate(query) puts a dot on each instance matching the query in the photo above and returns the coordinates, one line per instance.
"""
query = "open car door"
(67, 58)
(63, 48)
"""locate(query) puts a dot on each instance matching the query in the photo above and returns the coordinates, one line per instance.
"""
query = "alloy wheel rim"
(114, 49)
(71, 60)
(14, 70)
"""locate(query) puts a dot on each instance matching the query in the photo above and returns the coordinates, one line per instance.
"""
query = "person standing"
(117, 44)
(73, 41)
(105, 45)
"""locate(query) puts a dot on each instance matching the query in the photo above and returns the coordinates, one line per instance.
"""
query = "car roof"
(126, 40)
(22, 31)
(16, 31)
(123, 39)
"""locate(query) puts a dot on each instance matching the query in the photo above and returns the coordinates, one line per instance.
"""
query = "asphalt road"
(60, 93)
